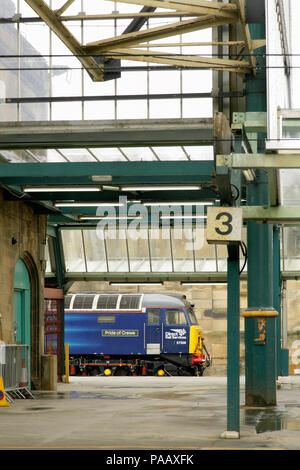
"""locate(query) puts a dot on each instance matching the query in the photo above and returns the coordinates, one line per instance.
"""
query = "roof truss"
(130, 45)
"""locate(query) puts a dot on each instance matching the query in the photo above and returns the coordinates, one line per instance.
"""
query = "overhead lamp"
(161, 188)
(249, 174)
(100, 217)
(89, 204)
(175, 203)
(136, 284)
(61, 189)
(110, 188)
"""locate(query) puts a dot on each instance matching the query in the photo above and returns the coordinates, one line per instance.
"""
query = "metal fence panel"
(14, 366)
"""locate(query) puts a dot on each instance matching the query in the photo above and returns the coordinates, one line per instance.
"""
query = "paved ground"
(148, 413)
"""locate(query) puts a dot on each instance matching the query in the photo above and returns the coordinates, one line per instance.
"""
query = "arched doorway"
(22, 308)
(22, 303)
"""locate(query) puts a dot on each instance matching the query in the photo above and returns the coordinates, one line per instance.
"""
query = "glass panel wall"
(142, 250)
(42, 66)
(93, 251)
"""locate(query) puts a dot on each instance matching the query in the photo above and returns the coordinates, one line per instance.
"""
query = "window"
(83, 301)
(68, 301)
(175, 317)
(130, 301)
(153, 316)
(192, 316)
(107, 301)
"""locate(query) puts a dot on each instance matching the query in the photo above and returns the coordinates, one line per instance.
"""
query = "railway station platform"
(141, 413)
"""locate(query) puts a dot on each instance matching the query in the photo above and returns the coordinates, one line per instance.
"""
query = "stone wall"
(22, 235)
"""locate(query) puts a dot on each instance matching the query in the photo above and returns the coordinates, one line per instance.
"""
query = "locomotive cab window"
(153, 316)
(175, 317)
(106, 319)
(192, 316)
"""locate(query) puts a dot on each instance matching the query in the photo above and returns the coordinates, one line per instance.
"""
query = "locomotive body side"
(160, 331)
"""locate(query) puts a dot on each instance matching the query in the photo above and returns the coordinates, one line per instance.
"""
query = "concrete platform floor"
(148, 413)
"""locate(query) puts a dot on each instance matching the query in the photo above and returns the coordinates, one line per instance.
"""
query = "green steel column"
(282, 353)
(260, 328)
(276, 294)
(60, 280)
(233, 339)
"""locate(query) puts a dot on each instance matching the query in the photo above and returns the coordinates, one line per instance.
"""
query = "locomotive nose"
(195, 346)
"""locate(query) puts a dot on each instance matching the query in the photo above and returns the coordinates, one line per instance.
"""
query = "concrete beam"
(106, 133)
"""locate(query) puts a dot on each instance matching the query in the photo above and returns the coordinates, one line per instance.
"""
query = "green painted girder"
(104, 173)
(72, 215)
(244, 161)
(105, 133)
(251, 122)
(279, 214)
(148, 277)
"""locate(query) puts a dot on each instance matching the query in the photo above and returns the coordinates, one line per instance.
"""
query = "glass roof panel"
(88, 251)
(205, 254)
(199, 152)
(183, 249)
(290, 187)
(138, 153)
(109, 154)
(73, 250)
(170, 153)
(160, 250)
(77, 155)
(94, 251)
(291, 248)
(54, 156)
(138, 250)
(117, 255)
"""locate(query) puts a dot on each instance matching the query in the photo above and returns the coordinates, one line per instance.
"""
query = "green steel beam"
(279, 214)
(160, 277)
(233, 339)
(148, 277)
(252, 122)
(262, 161)
(106, 173)
(106, 133)
(282, 214)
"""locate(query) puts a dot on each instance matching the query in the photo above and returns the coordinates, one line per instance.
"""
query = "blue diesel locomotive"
(133, 334)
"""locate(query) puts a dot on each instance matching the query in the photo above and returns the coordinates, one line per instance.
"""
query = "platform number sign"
(224, 225)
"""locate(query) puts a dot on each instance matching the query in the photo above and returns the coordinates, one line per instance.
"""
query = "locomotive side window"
(153, 316)
(175, 317)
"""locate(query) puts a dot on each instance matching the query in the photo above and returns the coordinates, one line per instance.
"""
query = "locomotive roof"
(153, 299)
(164, 300)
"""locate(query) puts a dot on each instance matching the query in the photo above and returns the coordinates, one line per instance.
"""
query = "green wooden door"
(22, 305)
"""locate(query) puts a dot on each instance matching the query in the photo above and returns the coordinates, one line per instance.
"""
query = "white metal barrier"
(15, 370)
